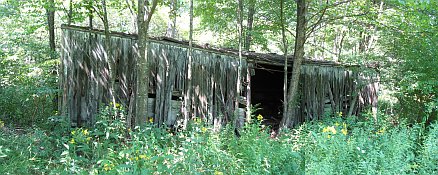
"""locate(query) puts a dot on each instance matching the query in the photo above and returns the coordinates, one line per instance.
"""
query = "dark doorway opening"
(267, 93)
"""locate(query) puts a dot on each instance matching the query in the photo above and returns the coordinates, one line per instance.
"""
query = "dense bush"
(28, 91)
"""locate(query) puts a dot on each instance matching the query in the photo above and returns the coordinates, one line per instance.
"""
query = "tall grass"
(331, 146)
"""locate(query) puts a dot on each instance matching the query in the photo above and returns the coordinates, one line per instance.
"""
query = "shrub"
(428, 160)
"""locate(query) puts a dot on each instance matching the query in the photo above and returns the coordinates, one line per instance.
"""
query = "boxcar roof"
(250, 56)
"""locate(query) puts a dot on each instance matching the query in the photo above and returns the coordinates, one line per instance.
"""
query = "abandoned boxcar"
(325, 87)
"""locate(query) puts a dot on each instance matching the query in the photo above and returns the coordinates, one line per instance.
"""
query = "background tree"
(51, 26)
(173, 14)
(250, 22)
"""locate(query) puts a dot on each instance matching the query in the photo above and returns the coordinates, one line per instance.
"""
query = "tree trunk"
(283, 35)
(171, 25)
(70, 12)
(143, 19)
(248, 39)
(51, 25)
(90, 13)
(251, 11)
(288, 120)
(187, 99)
(131, 4)
(239, 68)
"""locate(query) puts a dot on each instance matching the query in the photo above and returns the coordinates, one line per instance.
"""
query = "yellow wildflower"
(344, 131)
(107, 167)
(340, 114)
(329, 136)
(72, 141)
(203, 129)
(85, 132)
(381, 131)
(218, 173)
(142, 156)
(151, 120)
(73, 132)
(259, 117)
(336, 124)
(329, 129)
(117, 105)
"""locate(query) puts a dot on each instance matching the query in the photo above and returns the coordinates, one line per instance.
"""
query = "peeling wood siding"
(324, 89)
(86, 80)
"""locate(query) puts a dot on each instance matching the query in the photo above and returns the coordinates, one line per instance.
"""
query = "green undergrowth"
(332, 146)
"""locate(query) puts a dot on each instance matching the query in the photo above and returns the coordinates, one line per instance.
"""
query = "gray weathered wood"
(325, 87)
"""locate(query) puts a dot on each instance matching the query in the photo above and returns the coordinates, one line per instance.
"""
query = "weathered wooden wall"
(325, 87)
(213, 85)
(85, 77)
(334, 90)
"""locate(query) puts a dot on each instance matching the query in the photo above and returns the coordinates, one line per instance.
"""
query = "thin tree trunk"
(248, 93)
(188, 95)
(51, 26)
(239, 68)
(248, 39)
(300, 37)
(249, 28)
(70, 12)
(131, 4)
(283, 34)
(90, 13)
(171, 25)
(143, 19)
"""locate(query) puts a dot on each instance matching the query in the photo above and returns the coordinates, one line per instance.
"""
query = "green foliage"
(27, 92)
(28, 83)
(27, 151)
(429, 156)
(412, 44)
(362, 148)
(406, 36)
(220, 17)
(109, 148)
(332, 146)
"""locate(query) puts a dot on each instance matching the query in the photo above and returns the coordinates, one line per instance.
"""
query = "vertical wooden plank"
(321, 92)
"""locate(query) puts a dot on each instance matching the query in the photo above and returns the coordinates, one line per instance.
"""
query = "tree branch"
(313, 26)
(329, 6)
(152, 10)
(332, 19)
(98, 12)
